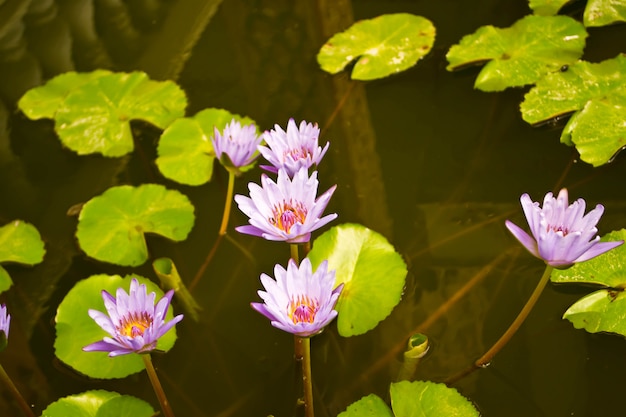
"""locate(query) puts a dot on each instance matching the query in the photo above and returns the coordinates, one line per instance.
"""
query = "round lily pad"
(95, 117)
(521, 54)
(75, 329)
(368, 406)
(99, 403)
(429, 399)
(382, 46)
(372, 272)
(185, 151)
(111, 226)
(604, 12)
(19, 242)
(546, 7)
(43, 101)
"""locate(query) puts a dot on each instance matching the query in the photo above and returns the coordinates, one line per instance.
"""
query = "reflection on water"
(420, 157)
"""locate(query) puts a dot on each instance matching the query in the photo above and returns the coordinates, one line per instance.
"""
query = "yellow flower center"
(286, 214)
(134, 325)
(297, 154)
(302, 309)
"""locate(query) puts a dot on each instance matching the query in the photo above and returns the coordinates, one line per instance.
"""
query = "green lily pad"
(429, 399)
(414, 399)
(383, 46)
(602, 310)
(372, 272)
(19, 242)
(99, 403)
(521, 54)
(111, 226)
(95, 116)
(75, 329)
(185, 151)
(368, 406)
(596, 95)
(43, 101)
(604, 12)
(547, 7)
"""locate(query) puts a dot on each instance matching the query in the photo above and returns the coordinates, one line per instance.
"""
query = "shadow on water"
(420, 157)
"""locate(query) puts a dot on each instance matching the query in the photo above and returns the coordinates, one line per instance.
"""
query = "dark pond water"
(420, 157)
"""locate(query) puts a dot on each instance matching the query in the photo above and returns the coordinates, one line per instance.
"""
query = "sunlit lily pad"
(547, 7)
(596, 95)
(111, 226)
(603, 310)
(414, 399)
(95, 116)
(372, 272)
(382, 46)
(43, 101)
(604, 12)
(19, 242)
(185, 151)
(75, 329)
(521, 54)
(99, 403)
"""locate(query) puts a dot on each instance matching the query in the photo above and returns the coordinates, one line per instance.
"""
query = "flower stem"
(484, 360)
(294, 253)
(156, 384)
(302, 347)
(228, 203)
(28, 412)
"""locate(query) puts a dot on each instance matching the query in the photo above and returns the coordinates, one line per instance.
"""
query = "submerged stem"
(156, 384)
(488, 356)
(28, 412)
(302, 347)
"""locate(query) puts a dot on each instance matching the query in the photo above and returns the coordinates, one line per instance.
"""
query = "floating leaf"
(170, 279)
(369, 406)
(75, 329)
(111, 226)
(521, 54)
(185, 151)
(604, 12)
(19, 242)
(383, 45)
(43, 101)
(95, 117)
(603, 310)
(596, 95)
(99, 403)
(429, 399)
(372, 272)
(547, 7)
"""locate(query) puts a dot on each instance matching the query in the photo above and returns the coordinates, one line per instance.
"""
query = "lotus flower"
(299, 301)
(562, 234)
(292, 149)
(5, 323)
(133, 321)
(285, 210)
(237, 146)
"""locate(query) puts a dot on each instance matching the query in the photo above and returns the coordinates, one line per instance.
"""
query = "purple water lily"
(285, 210)
(299, 301)
(237, 146)
(292, 149)
(133, 321)
(5, 323)
(561, 234)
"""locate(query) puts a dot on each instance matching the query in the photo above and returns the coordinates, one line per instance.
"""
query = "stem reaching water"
(28, 412)
(488, 356)
(156, 384)
(303, 355)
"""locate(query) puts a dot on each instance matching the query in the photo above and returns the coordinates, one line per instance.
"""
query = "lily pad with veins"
(521, 54)
(381, 46)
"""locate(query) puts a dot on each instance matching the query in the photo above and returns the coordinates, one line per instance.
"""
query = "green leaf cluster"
(20, 242)
(597, 12)
(415, 399)
(99, 403)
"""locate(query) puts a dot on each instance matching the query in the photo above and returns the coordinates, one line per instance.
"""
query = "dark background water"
(420, 157)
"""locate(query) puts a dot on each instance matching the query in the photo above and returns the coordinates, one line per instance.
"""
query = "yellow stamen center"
(302, 309)
(286, 214)
(134, 325)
